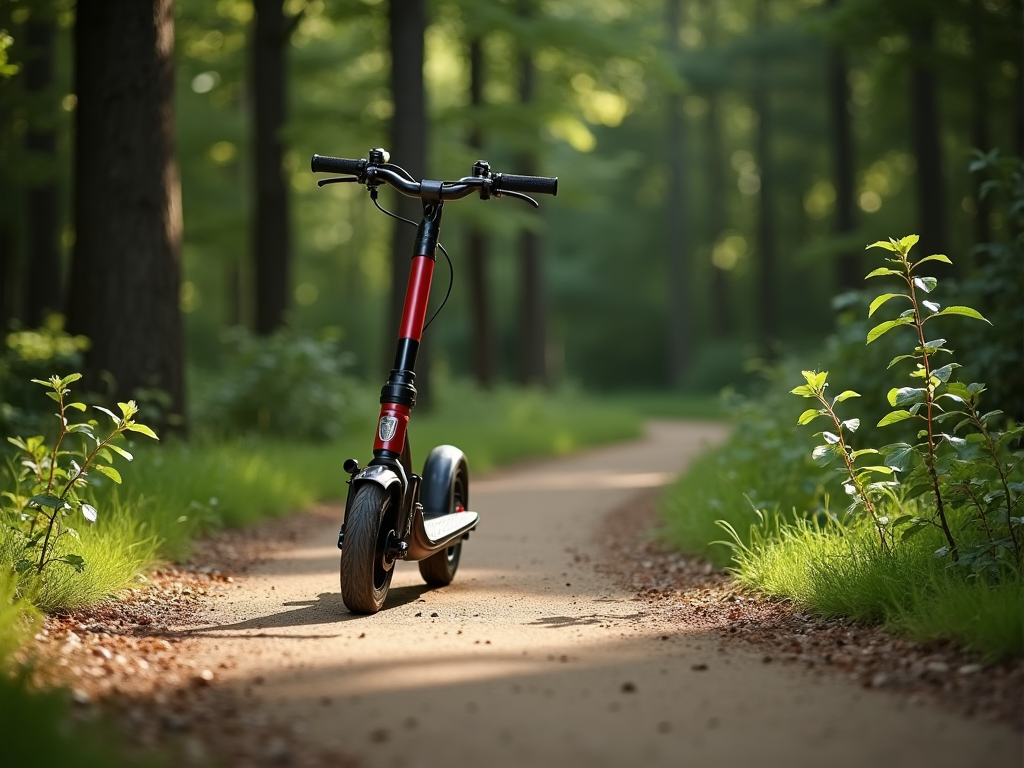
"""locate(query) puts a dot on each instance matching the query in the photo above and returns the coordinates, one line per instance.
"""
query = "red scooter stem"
(399, 394)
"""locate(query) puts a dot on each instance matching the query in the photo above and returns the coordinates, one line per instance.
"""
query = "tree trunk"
(979, 118)
(848, 272)
(767, 283)
(924, 120)
(271, 248)
(126, 268)
(533, 368)
(484, 357)
(43, 284)
(677, 215)
(721, 311)
(408, 23)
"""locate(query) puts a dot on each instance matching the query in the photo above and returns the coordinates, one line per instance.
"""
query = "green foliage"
(49, 487)
(39, 729)
(289, 385)
(34, 354)
(838, 569)
(998, 287)
(7, 69)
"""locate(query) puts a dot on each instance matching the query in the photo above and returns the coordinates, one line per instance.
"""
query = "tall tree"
(481, 317)
(408, 23)
(677, 212)
(126, 266)
(979, 115)
(714, 175)
(43, 294)
(533, 367)
(848, 273)
(925, 125)
(270, 227)
(767, 320)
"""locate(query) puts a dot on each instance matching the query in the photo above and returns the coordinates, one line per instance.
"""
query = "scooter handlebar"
(538, 185)
(326, 164)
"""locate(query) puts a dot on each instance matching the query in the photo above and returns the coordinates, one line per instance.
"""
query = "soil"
(230, 657)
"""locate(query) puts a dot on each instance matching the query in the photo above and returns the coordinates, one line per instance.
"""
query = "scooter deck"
(430, 535)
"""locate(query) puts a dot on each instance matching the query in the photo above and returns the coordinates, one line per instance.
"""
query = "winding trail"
(534, 658)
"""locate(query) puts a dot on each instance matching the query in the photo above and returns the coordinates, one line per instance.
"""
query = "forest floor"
(569, 638)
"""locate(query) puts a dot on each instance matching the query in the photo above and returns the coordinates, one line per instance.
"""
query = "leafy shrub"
(287, 385)
(977, 470)
(30, 354)
(50, 486)
(998, 289)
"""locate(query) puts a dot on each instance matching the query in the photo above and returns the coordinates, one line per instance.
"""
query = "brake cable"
(451, 268)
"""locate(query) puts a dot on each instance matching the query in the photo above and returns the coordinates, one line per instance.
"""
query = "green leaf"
(905, 396)
(48, 500)
(942, 374)
(898, 455)
(89, 512)
(23, 566)
(880, 272)
(77, 406)
(142, 429)
(69, 379)
(823, 455)
(880, 468)
(913, 530)
(862, 452)
(908, 242)
(110, 472)
(75, 561)
(894, 417)
(926, 284)
(808, 416)
(932, 306)
(880, 300)
(883, 328)
(117, 419)
(830, 438)
(804, 390)
(882, 244)
(959, 310)
(851, 424)
(120, 451)
(846, 394)
(934, 257)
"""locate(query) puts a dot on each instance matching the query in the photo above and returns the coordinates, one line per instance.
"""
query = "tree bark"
(408, 23)
(533, 368)
(126, 267)
(767, 279)
(271, 235)
(677, 215)
(979, 117)
(848, 272)
(924, 120)
(481, 318)
(43, 285)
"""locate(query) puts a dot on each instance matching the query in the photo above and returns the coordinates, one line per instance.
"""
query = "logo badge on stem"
(388, 427)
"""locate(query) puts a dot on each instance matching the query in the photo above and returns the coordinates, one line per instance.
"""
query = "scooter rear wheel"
(366, 571)
(439, 570)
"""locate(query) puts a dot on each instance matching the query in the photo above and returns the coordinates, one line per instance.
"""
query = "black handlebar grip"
(538, 185)
(324, 164)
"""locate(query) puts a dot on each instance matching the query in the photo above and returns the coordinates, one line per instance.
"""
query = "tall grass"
(840, 570)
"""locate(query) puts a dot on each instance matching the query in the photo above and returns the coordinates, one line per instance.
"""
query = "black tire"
(365, 571)
(439, 570)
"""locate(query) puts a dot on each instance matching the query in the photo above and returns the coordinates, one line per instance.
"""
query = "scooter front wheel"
(366, 571)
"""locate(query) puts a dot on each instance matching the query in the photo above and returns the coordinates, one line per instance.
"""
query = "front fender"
(378, 474)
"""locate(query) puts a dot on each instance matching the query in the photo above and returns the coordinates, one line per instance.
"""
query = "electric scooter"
(391, 513)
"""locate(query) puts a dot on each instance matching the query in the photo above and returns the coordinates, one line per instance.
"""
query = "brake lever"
(520, 196)
(336, 180)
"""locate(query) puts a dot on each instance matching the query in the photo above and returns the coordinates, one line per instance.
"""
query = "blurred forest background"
(722, 164)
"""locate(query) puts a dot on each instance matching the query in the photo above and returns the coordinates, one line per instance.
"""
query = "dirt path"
(533, 657)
